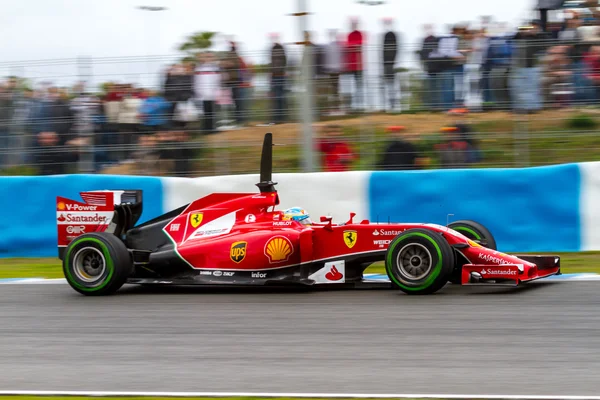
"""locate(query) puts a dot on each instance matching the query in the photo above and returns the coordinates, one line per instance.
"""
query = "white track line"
(296, 395)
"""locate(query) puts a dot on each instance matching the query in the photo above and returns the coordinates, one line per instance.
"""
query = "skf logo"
(238, 252)
(278, 249)
(61, 206)
(196, 219)
(350, 238)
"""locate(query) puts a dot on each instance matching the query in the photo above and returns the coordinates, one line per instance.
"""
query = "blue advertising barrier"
(527, 210)
(544, 209)
(28, 207)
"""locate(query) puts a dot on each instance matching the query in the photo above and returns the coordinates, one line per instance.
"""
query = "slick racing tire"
(476, 232)
(419, 261)
(97, 264)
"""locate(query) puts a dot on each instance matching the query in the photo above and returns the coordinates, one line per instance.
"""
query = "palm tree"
(197, 42)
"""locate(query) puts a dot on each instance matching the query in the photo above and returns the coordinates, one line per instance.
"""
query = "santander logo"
(334, 274)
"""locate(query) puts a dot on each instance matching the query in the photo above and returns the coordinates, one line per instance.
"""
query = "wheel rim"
(89, 264)
(414, 261)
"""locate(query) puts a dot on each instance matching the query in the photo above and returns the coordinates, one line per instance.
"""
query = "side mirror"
(327, 219)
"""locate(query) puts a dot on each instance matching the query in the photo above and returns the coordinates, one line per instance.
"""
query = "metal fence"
(537, 107)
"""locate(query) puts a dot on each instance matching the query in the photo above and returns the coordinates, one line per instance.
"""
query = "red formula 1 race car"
(240, 239)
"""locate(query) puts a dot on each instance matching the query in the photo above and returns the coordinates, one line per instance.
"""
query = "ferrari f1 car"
(240, 239)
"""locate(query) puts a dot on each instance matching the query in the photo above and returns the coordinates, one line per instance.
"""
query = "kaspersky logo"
(492, 259)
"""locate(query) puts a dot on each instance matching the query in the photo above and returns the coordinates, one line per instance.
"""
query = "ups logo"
(238, 252)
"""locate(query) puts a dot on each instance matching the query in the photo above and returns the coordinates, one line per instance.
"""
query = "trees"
(197, 42)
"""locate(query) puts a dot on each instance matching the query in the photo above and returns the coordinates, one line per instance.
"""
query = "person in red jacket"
(354, 61)
(337, 153)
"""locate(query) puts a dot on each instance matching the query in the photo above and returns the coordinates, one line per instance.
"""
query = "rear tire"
(97, 264)
(419, 261)
(476, 232)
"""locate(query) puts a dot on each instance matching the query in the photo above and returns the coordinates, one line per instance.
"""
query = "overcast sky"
(59, 29)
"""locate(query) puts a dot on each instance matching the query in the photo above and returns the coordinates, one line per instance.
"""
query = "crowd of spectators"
(523, 70)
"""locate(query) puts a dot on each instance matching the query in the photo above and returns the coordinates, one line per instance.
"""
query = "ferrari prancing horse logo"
(350, 238)
(196, 219)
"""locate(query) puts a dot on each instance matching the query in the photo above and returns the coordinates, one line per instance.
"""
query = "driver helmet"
(297, 214)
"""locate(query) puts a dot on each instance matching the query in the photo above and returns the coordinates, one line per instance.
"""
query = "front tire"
(419, 261)
(97, 264)
(476, 232)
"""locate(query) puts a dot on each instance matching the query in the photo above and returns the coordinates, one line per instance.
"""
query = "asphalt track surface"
(542, 340)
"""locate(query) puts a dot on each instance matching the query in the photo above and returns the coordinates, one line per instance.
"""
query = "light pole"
(149, 29)
(306, 97)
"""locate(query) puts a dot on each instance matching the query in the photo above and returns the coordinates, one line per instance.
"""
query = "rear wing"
(112, 211)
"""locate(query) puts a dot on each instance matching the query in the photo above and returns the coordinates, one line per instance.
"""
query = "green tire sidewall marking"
(468, 230)
(109, 264)
(436, 270)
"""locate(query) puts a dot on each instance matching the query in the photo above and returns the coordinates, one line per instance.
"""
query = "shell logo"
(279, 249)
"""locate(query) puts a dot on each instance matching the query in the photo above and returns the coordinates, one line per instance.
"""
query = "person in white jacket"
(333, 67)
(129, 121)
(207, 85)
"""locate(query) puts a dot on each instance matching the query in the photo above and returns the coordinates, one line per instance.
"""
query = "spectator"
(178, 86)
(453, 151)
(6, 114)
(278, 69)
(244, 89)
(337, 152)
(354, 62)
(401, 153)
(112, 102)
(447, 59)
(592, 64)
(390, 53)
(129, 120)
(319, 75)
(154, 113)
(232, 80)
(430, 67)
(54, 136)
(556, 76)
(184, 110)
(333, 68)
(207, 83)
(572, 37)
(496, 70)
(530, 42)
(465, 133)
(464, 48)
(22, 119)
(475, 60)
